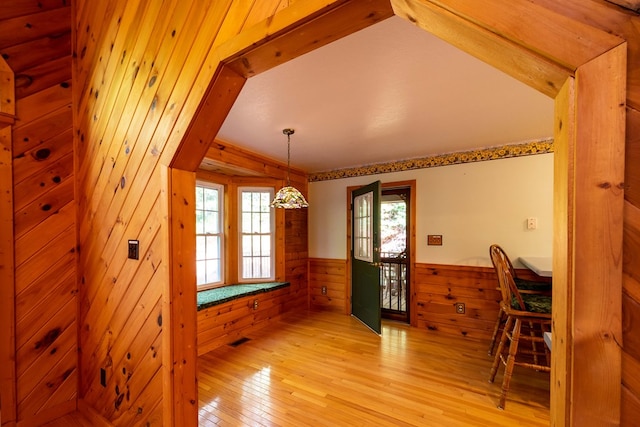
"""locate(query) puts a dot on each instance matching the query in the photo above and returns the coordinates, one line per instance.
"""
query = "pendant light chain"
(288, 132)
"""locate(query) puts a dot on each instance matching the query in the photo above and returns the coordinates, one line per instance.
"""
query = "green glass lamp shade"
(289, 198)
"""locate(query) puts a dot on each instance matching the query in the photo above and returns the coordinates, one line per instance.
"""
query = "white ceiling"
(389, 92)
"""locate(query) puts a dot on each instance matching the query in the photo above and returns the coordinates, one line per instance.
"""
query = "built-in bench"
(215, 296)
(229, 313)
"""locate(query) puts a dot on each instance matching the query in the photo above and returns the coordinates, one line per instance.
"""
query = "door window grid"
(256, 234)
(363, 230)
(209, 236)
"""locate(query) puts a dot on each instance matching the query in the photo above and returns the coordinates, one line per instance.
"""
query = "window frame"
(221, 234)
(273, 233)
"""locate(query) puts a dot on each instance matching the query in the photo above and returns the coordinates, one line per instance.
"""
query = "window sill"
(215, 296)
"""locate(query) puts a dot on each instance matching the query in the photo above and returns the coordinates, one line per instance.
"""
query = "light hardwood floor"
(327, 369)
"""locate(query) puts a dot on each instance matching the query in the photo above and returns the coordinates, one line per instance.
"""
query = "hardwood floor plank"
(325, 368)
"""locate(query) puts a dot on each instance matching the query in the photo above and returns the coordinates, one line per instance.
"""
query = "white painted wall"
(471, 205)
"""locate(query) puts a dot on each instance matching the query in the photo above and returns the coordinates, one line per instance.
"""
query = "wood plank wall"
(35, 41)
(329, 273)
(439, 287)
(129, 85)
(136, 63)
(296, 257)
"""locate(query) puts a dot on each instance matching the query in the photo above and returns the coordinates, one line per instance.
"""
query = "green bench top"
(215, 296)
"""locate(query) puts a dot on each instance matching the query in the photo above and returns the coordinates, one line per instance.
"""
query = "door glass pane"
(363, 232)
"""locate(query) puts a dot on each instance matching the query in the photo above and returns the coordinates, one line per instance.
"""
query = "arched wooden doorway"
(581, 67)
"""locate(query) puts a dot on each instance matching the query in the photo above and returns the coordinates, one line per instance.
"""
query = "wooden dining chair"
(530, 310)
(524, 286)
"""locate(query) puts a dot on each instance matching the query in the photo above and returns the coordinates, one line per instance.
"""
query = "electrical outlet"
(459, 307)
(255, 304)
(324, 290)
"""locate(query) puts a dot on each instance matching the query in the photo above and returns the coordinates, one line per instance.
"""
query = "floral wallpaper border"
(502, 152)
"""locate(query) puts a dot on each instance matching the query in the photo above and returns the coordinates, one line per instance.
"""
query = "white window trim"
(221, 219)
(271, 192)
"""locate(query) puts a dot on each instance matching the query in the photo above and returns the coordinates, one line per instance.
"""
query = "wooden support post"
(7, 270)
(179, 316)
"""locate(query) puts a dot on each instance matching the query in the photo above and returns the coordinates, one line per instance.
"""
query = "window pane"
(209, 237)
(265, 201)
(246, 246)
(246, 222)
(213, 247)
(266, 267)
(246, 268)
(265, 245)
(255, 246)
(265, 222)
(256, 238)
(246, 201)
(211, 199)
(199, 222)
(210, 222)
(256, 270)
(255, 223)
(200, 248)
(199, 198)
(201, 272)
(213, 272)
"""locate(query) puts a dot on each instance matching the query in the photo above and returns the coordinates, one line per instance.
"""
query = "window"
(257, 234)
(209, 235)
(363, 227)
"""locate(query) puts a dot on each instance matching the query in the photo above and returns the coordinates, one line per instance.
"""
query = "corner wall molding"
(543, 146)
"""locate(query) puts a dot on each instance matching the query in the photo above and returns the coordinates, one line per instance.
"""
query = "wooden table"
(542, 266)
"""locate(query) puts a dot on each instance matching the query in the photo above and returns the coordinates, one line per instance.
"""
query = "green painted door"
(365, 256)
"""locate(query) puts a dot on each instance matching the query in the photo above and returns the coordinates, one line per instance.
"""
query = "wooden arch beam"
(583, 68)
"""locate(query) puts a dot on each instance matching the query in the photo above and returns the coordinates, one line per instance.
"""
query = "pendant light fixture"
(288, 197)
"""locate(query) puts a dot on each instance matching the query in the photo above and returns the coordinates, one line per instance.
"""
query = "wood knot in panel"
(42, 154)
(49, 338)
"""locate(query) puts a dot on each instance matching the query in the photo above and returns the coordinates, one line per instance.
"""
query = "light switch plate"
(134, 249)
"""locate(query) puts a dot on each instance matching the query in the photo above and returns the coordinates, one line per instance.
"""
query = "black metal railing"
(393, 277)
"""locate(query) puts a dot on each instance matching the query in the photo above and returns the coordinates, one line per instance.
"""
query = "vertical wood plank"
(7, 273)
(599, 186)
(563, 218)
(179, 316)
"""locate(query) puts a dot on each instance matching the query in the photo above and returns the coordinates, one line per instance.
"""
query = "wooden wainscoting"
(329, 273)
(437, 289)
(295, 264)
(228, 322)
